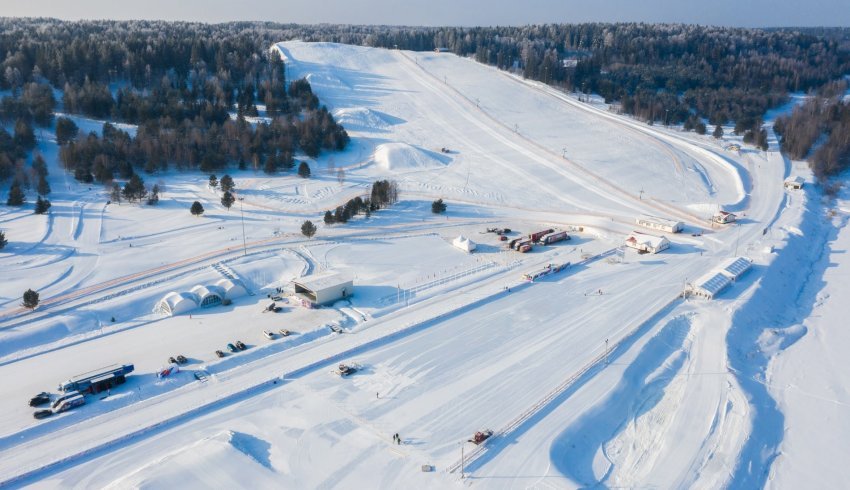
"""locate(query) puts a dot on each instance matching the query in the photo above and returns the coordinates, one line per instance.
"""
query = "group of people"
(396, 438)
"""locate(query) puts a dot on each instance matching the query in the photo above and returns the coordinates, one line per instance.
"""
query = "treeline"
(657, 72)
(179, 82)
(198, 144)
(819, 131)
(384, 193)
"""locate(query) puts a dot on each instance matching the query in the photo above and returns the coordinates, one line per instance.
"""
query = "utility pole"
(242, 214)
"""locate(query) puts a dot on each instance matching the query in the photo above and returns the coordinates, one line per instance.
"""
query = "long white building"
(660, 224)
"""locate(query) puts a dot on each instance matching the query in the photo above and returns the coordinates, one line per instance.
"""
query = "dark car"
(181, 359)
(40, 399)
(41, 414)
(232, 348)
(219, 353)
(172, 360)
(240, 345)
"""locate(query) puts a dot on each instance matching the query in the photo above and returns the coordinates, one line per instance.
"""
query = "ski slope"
(598, 375)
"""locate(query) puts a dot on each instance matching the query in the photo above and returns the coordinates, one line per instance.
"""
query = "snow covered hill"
(599, 374)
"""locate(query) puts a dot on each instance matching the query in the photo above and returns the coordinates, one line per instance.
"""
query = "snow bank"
(401, 156)
(361, 119)
(222, 461)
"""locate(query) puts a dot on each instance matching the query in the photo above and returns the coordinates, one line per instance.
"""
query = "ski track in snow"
(681, 400)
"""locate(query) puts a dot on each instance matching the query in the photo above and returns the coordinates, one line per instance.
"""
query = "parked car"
(284, 332)
(181, 359)
(41, 414)
(219, 353)
(40, 399)
(268, 335)
(232, 348)
(240, 345)
(172, 360)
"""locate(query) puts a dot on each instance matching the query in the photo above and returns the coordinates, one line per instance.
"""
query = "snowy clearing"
(597, 374)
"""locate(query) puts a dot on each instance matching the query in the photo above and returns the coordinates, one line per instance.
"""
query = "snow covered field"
(598, 374)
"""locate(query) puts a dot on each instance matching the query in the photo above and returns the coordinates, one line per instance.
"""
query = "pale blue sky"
(756, 13)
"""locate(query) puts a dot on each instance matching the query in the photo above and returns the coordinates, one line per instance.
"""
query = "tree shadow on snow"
(776, 316)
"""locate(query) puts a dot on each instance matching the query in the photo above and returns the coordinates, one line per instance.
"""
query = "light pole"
(606, 352)
(242, 214)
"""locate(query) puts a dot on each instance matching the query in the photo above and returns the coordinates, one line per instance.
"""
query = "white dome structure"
(176, 304)
(208, 296)
(231, 289)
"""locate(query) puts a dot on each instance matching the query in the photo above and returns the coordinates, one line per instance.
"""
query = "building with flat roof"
(660, 224)
(324, 288)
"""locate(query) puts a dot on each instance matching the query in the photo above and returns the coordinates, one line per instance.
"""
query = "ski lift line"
(596, 362)
(657, 205)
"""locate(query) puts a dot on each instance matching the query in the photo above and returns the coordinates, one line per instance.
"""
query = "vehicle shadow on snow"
(773, 319)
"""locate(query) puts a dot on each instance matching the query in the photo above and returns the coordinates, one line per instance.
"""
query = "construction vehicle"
(481, 436)
(98, 380)
(344, 370)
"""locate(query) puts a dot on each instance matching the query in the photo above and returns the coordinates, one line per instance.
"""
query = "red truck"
(538, 235)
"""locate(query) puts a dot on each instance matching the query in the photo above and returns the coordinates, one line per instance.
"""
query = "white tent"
(735, 267)
(464, 243)
(208, 295)
(176, 303)
(231, 289)
(710, 285)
